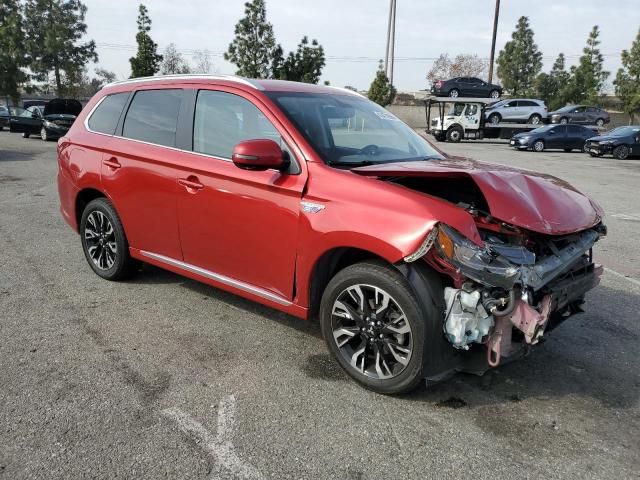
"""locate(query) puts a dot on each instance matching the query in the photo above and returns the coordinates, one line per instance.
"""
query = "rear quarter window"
(104, 118)
(153, 116)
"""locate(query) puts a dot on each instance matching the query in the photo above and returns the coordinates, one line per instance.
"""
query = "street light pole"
(391, 40)
(493, 41)
(393, 43)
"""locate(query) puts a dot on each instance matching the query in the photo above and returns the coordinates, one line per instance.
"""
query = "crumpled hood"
(533, 201)
(602, 138)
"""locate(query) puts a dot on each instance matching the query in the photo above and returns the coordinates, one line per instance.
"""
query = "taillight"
(439, 84)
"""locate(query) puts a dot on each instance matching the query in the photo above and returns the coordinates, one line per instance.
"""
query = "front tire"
(454, 134)
(104, 242)
(621, 152)
(564, 120)
(600, 122)
(494, 94)
(375, 327)
(25, 135)
(538, 146)
(454, 93)
(494, 118)
(43, 134)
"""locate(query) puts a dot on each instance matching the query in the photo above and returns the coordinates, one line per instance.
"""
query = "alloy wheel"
(494, 94)
(371, 331)
(453, 93)
(535, 119)
(600, 122)
(43, 134)
(621, 152)
(538, 146)
(100, 240)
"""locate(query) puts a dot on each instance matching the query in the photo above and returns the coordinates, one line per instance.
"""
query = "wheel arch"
(328, 265)
(83, 198)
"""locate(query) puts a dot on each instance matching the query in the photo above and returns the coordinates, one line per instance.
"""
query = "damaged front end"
(508, 291)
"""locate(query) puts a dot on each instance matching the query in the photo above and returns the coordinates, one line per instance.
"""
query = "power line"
(335, 58)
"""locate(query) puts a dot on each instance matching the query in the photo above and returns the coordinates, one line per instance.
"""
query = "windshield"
(623, 131)
(350, 130)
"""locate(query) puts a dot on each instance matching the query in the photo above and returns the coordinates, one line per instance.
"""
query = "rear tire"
(621, 152)
(104, 242)
(538, 146)
(454, 134)
(352, 320)
(494, 94)
(454, 93)
(535, 119)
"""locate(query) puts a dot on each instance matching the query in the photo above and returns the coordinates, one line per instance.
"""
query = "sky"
(353, 32)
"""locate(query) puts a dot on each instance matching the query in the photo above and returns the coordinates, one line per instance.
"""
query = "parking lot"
(162, 376)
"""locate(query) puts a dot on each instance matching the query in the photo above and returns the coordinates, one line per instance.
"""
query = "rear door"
(575, 136)
(240, 226)
(139, 172)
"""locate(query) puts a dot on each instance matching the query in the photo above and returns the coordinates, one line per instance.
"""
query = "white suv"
(517, 110)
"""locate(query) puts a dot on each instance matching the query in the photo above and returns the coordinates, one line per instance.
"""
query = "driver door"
(238, 224)
(29, 121)
(471, 116)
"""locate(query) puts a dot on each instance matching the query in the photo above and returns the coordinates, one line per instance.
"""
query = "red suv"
(317, 202)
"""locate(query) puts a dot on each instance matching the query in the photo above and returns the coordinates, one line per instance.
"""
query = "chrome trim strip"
(218, 278)
(194, 76)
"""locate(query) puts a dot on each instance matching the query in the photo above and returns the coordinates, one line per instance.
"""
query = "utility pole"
(493, 41)
(391, 40)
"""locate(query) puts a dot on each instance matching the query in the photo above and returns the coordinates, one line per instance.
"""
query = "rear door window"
(153, 116)
(104, 118)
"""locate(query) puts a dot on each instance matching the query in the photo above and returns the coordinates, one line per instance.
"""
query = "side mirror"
(259, 154)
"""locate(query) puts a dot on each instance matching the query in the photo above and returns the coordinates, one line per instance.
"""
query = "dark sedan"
(582, 114)
(466, 87)
(563, 137)
(620, 142)
(50, 122)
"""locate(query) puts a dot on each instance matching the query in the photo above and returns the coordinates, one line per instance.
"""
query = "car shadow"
(574, 360)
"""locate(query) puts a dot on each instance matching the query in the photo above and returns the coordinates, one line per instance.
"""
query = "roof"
(258, 84)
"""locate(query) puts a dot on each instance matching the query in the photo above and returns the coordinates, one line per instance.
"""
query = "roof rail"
(189, 76)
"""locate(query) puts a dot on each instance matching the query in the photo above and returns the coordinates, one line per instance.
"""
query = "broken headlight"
(481, 264)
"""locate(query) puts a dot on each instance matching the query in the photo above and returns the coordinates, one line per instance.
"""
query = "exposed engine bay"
(517, 285)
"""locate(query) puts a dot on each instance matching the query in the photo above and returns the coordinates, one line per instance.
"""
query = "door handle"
(191, 183)
(112, 163)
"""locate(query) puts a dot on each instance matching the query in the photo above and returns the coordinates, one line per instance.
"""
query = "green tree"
(519, 62)
(627, 80)
(381, 91)
(551, 87)
(147, 61)
(54, 29)
(173, 61)
(588, 77)
(252, 48)
(12, 51)
(303, 65)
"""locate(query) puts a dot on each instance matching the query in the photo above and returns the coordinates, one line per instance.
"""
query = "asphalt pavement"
(164, 377)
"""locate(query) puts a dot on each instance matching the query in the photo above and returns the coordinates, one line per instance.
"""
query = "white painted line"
(620, 275)
(220, 447)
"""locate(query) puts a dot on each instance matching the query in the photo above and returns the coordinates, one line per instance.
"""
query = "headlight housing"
(478, 263)
(49, 124)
